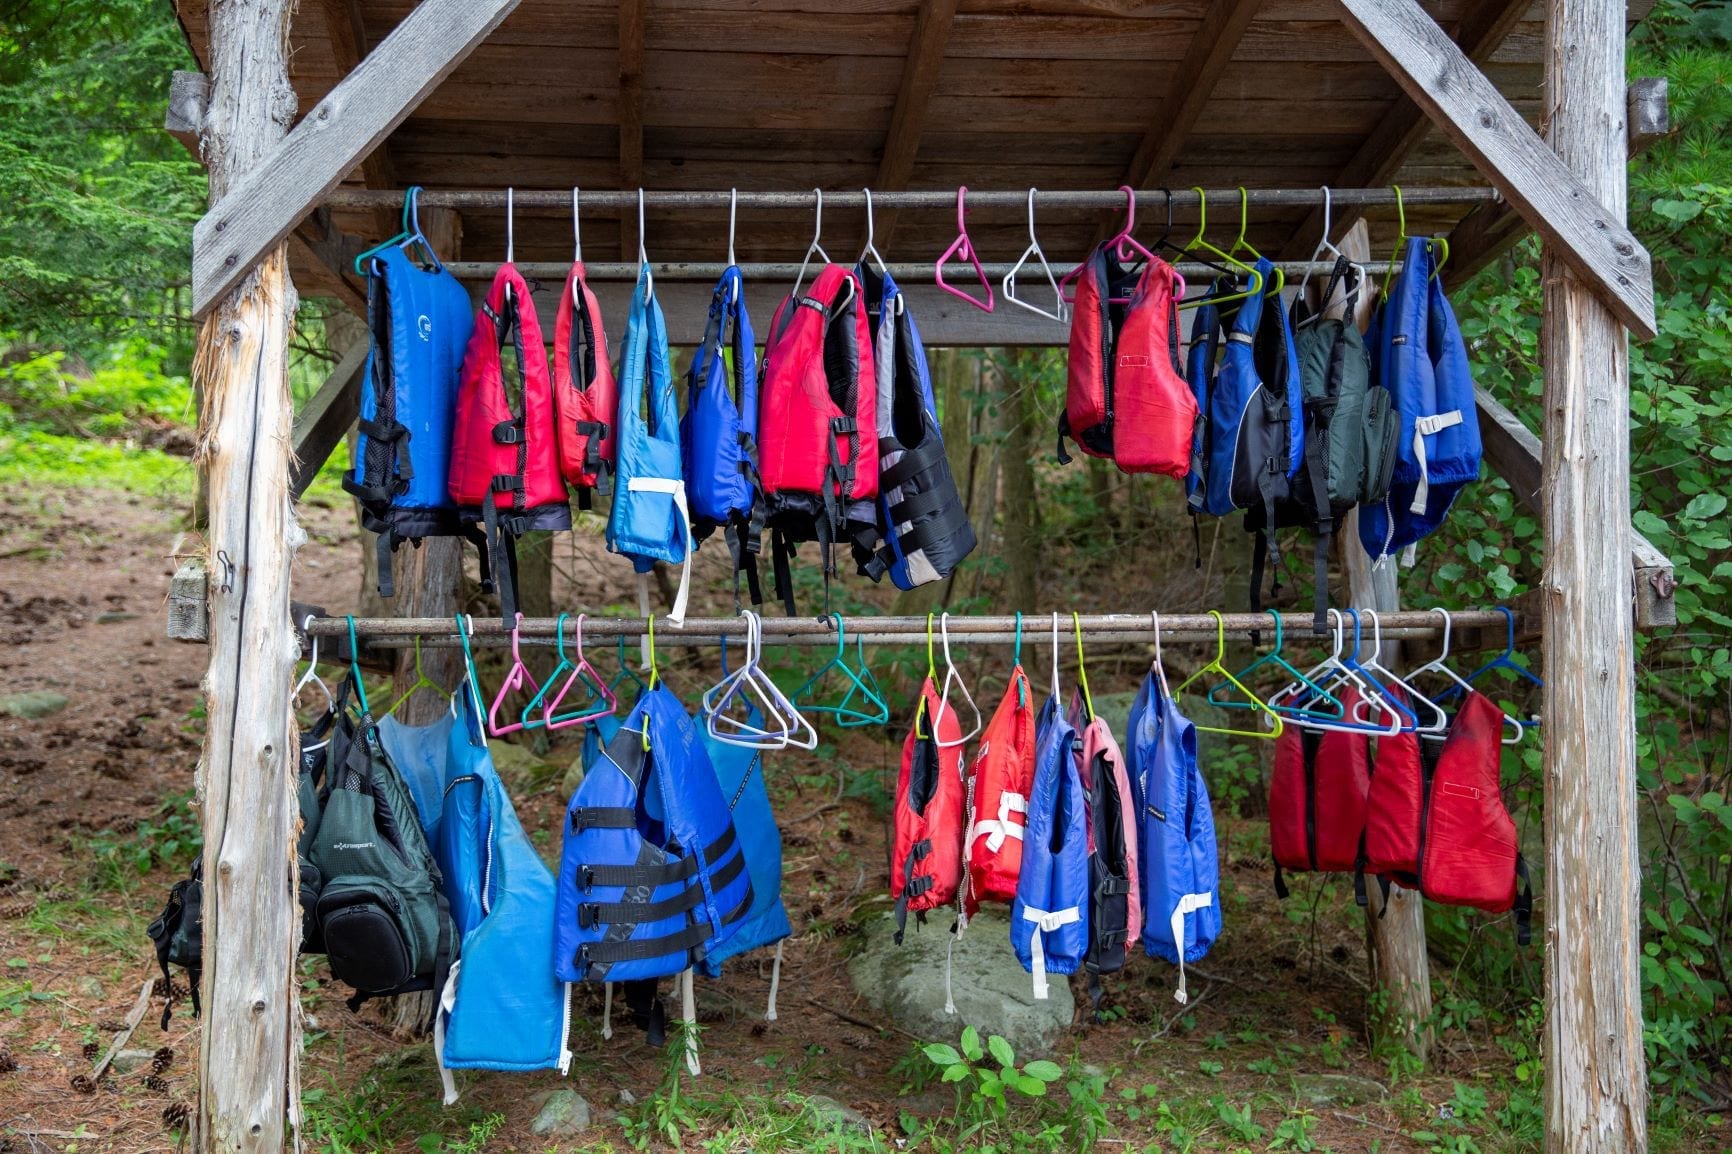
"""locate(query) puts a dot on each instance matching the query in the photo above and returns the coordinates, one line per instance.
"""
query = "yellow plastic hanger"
(1082, 669)
(1437, 244)
(1215, 667)
(1243, 245)
(1198, 244)
(422, 681)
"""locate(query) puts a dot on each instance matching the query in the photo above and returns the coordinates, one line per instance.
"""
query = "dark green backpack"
(1350, 431)
(381, 912)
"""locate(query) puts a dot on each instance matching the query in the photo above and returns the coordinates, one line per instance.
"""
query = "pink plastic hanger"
(515, 679)
(1125, 247)
(581, 669)
(963, 248)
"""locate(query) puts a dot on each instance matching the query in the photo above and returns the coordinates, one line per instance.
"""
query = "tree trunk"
(1596, 1077)
(1016, 423)
(249, 1047)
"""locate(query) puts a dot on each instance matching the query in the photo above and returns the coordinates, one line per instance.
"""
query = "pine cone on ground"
(7, 1062)
(83, 1084)
(162, 1059)
(92, 1050)
(175, 1115)
(155, 1084)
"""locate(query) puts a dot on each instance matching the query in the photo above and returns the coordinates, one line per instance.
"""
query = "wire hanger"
(576, 231)
(1057, 700)
(1331, 710)
(1157, 666)
(963, 248)
(1214, 666)
(950, 674)
(1061, 311)
(422, 681)
(733, 216)
(1440, 665)
(312, 675)
(1082, 669)
(874, 711)
(814, 247)
(516, 678)
(1325, 246)
(1198, 243)
(870, 249)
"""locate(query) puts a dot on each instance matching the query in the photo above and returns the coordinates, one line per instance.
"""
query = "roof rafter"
(631, 101)
(908, 119)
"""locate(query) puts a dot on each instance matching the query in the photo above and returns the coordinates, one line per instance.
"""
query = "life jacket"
(922, 520)
(926, 845)
(1350, 428)
(1115, 903)
(649, 520)
(495, 1012)
(504, 455)
(1317, 798)
(1126, 397)
(1418, 354)
(1438, 821)
(419, 321)
(1049, 926)
(818, 423)
(718, 434)
(1000, 780)
(1181, 870)
(585, 395)
(652, 876)
(739, 772)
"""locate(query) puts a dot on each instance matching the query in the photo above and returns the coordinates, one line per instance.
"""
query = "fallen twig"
(133, 1018)
(1346, 1117)
(862, 1022)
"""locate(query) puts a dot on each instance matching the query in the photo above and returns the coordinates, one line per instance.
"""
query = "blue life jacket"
(922, 520)
(500, 1009)
(649, 521)
(739, 771)
(1181, 870)
(652, 876)
(1418, 354)
(419, 320)
(719, 433)
(1049, 926)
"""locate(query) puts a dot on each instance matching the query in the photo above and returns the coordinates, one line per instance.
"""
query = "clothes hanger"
(1125, 248)
(649, 276)
(626, 672)
(1503, 661)
(516, 678)
(422, 681)
(1214, 666)
(950, 674)
(355, 671)
(1157, 666)
(465, 631)
(603, 701)
(1334, 674)
(1326, 247)
(1179, 251)
(870, 249)
(1440, 665)
(1199, 244)
(1061, 312)
(1016, 664)
(814, 247)
(744, 685)
(409, 234)
(874, 711)
(312, 675)
(1331, 710)
(1082, 669)
(1439, 721)
(963, 248)
(1243, 245)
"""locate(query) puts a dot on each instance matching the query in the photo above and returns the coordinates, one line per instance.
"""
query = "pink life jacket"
(1126, 396)
(585, 394)
(1115, 903)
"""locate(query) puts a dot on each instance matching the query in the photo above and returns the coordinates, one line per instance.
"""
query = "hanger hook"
(931, 660)
(1016, 658)
(1448, 621)
(733, 213)
(1328, 213)
(558, 634)
(510, 229)
(962, 220)
(576, 229)
(870, 232)
(1130, 209)
(1202, 214)
(1031, 239)
(1401, 219)
(1169, 231)
(1244, 217)
(944, 633)
(412, 210)
(1509, 622)
(818, 219)
(1055, 656)
(1277, 617)
(1220, 634)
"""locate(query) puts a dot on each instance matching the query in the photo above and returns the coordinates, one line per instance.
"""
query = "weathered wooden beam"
(1596, 1084)
(926, 48)
(1470, 110)
(1481, 32)
(328, 143)
(331, 253)
(1649, 111)
(250, 1041)
(631, 48)
(324, 420)
(188, 94)
(349, 42)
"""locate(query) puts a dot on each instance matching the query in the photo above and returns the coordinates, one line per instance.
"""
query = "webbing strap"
(1045, 922)
(603, 817)
(1001, 827)
(1424, 427)
(912, 887)
(1188, 904)
(642, 949)
(677, 490)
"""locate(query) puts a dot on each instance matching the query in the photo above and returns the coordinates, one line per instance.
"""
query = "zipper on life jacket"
(1109, 343)
(1310, 745)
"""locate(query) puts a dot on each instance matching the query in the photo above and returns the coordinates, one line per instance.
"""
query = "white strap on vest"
(447, 1002)
(1424, 427)
(689, 1011)
(606, 1011)
(997, 830)
(676, 489)
(1045, 922)
(775, 981)
(1189, 904)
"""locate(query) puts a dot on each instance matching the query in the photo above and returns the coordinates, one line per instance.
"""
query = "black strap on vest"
(912, 887)
(502, 530)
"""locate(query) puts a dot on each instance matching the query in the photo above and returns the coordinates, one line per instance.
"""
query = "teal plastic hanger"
(872, 708)
(566, 673)
(1016, 664)
(361, 685)
(626, 673)
(1320, 705)
(409, 234)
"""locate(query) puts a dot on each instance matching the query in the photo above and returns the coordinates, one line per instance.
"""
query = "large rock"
(517, 766)
(33, 703)
(1338, 1089)
(559, 1114)
(993, 992)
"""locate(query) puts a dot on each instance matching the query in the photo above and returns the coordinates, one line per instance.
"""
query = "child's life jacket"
(1002, 776)
(419, 321)
(585, 396)
(926, 847)
(1115, 903)
(1049, 926)
(504, 452)
(1126, 396)
(1317, 798)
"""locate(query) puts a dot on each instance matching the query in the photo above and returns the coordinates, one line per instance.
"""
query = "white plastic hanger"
(576, 232)
(1055, 693)
(1332, 673)
(649, 292)
(814, 247)
(729, 729)
(1439, 721)
(950, 674)
(1160, 667)
(1061, 311)
(1326, 248)
(510, 239)
(312, 675)
(1440, 666)
(733, 214)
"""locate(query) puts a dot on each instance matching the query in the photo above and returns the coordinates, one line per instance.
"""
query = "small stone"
(113, 617)
(627, 1098)
(831, 1115)
(89, 987)
(33, 703)
(127, 1061)
(559, 1113)
(1339, 1089)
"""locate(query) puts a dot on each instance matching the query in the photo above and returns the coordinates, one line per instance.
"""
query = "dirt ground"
(94, 821)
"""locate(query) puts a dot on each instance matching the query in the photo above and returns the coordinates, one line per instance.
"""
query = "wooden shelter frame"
(276, 198)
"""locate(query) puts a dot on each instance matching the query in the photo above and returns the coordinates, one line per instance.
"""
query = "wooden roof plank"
(631, 105)
(1211, 50)
(920, 71)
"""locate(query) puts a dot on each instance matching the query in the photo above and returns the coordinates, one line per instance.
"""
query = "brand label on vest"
(1132, 361)
(1159, 816)
(353, 845)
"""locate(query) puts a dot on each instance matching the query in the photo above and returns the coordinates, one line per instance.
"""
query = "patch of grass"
(39, 458)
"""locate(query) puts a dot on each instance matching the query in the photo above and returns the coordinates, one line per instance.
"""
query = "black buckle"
(586, 876)
(508, 432)
(507, 483)
(588, 915)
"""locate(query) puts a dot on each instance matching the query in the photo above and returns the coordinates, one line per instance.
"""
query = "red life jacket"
(504, 460)
(1002, 775)
(1317, 799)
(585, 395)
(1394, 810)
(1126, 396)
(926, 849)
(818, 422)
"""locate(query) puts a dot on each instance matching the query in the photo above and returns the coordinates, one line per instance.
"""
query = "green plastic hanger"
(1016, 666)
(355, 670)
(1243, 245)
(1333, 710)
(1198, 244)
(566, 673)
(1082, 669)
(409, 234)
(1214, 666)
(422, 681)
(1438, 245)
(875, 710)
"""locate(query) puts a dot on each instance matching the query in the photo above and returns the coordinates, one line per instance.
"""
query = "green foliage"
(171, 837)
(994, 1096)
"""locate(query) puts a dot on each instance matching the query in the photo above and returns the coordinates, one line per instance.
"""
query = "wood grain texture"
(630, 110)
(324, 420)
(1595, 1068)
(1461, 101)
(188, 93)
(250, 1043)
(261, 207)
(921, 70)
(346, 32)
(1189, 90)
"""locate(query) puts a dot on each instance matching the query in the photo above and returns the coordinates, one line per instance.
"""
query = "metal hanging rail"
(612, 200)
(1121, 628)
(906, 273)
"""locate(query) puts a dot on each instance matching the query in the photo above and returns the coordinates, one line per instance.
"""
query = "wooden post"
(1596, 1077)
(1395, 935)
(248, 1051)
